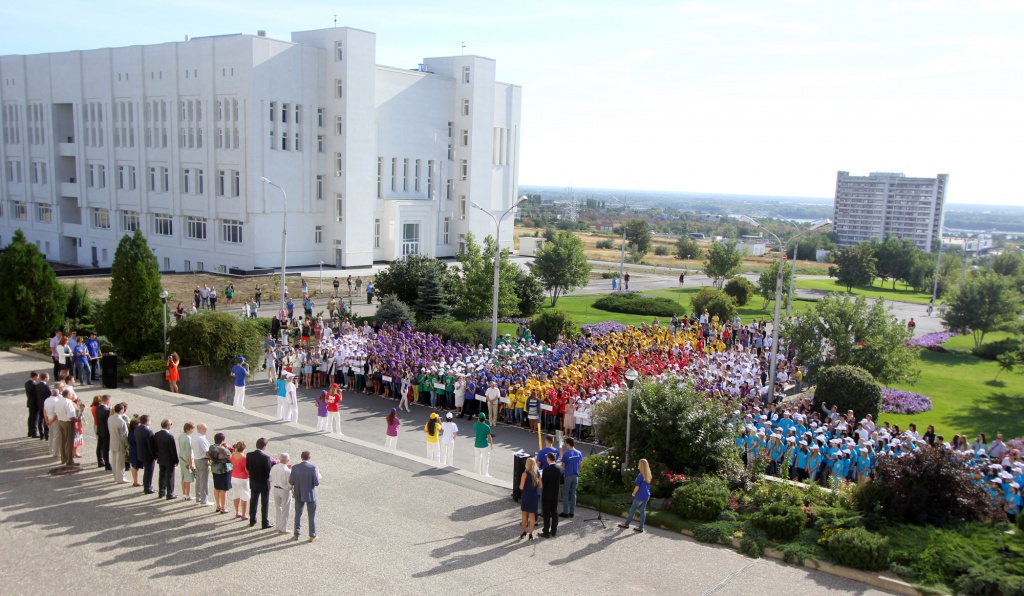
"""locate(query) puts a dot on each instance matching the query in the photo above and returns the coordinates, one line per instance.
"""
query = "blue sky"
(760, 97)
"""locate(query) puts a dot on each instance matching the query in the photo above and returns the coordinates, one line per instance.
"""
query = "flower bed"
(932, 341)
(599, 329)
(898, 401)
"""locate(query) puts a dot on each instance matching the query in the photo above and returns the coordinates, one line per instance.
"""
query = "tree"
(809, 245)
(529, 291)
(403, 279)
(430, 302)
(895, 259)
(856, 265)
(217, 339)
(476, 285)
(638, 234)
(841, 330)
(767, 283)
(986, 302)
(716, 302)
(741, 290)
(723, 261)
(547, 325)
(132, 318)
(561, 266)
(688, 248)
(32, 301)
(394, 311)
(849, 388)
(1009, 264)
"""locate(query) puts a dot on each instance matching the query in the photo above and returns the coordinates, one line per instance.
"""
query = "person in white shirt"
(50, 416)
(449, 430)
(291, 412)
(493, 395)
(200, 455)
(279, 490)
(66, 414)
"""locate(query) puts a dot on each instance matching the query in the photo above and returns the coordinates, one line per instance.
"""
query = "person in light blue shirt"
(801, 454)
(814, 460)
(571, 460)
(82, 373)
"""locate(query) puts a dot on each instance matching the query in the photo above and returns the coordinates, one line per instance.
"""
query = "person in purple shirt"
(571, 459)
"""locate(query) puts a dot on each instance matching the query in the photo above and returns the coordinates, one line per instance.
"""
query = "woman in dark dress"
(133, 451)
(529, 483)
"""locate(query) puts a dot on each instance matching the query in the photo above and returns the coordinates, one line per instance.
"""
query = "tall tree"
(477, 282)
(562, 265)
(688, 248)
(986, 302)
(132, 316)
(32, 301)
(404, 279)
(841, 330)
(638, 235)
(895, 259)
(768, 280)
(430, 302)
(856, 265)
(723, 261)
(1010, 264)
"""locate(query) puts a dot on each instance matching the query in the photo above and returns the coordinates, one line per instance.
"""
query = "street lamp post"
(631, 376)
(497, 261)
(284, 234)
(163, 296)
(792, 280)
(622, 259)
(777, 321)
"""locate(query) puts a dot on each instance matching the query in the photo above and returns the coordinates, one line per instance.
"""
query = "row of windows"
(415, 178)
(10, 117)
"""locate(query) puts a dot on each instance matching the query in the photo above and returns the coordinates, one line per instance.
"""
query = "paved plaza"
(388, 524)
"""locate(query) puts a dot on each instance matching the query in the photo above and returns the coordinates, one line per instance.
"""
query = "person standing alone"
(239, 372)
(304, 478)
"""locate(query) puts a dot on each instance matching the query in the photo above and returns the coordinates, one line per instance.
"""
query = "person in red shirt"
(333, 400)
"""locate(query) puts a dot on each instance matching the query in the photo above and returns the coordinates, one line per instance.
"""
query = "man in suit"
(166, 458)
(117, 434)
(146, 450)
(258, 465)
(304, 479)
(551, 478)
(103, 433)
(33, 405)
(42, 389)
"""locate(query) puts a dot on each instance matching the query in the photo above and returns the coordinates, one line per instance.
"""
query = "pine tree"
(132, 316)
(32, 301)
(430, 303)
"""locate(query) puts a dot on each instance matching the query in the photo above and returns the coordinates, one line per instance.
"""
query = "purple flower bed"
(898, 401)
(932, 341)
(599, 329)
(1017, 444)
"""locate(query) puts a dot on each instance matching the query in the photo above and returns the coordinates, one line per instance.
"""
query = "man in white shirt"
(200, 455)
(448, 432)
(493, 395)
(291, 411)
(279, 476)
(66, 414)
(50, 416)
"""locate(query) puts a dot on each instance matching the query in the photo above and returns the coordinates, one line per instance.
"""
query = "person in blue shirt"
(542, 455)
(81, 353)
(641, 494)
(571, 460)
(95, 353)
(864, 465)
(799, 471)
(239, 372)
(814, 462)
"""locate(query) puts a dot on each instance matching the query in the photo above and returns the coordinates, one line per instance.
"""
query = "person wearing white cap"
(449, 430)
(291, 411)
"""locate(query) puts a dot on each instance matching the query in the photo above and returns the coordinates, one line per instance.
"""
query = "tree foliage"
(392, 310)
(688, 248)
(767, 283)
(1008, 264)
(716, 302)
(849, 388)
(32, 301)
(132, 316)
(856, 265)
(547, 325)
(895, 259)
(841, 330)
(671, 423)
(740, 289)
(431, 301)
(404, 280)
(529, 292)
(723, 261)
(217, 339)
(638, 235)
(476, 285)
(985, 302)
(561, 266)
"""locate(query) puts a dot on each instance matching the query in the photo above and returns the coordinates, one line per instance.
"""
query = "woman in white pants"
(291, 413)
(406, 388)
(449, 430)
(433, 430)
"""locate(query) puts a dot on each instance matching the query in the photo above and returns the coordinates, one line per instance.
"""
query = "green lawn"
(966, 397)
(876, 290)
(965, 343)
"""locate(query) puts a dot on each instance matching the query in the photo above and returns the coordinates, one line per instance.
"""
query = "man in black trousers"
(166, 458)
(103, 433)
(257, 463)
(33, 405)
(146, 449)
(42, 389)
(551, 478)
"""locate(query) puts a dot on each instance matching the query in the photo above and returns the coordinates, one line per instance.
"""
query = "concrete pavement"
(388, 524)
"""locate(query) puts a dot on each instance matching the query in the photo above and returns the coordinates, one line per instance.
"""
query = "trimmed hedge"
(861, 549)
(703, 499)
(716, 302)
(741, 290)
(638, 304)
(470, 334)
(780, 521)
(850, 388)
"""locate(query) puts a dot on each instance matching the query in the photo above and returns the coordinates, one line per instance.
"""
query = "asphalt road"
(388, 524)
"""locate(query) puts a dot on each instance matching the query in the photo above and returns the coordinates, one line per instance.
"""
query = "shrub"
(605, 244)
(530, 292)
(143, 366)
(609, 274)
(599, 474)
(716, 302)
(753, 542)
(703, 499)
(780, 521)
(392, 310)
(721, 532)
(217, 339)
(740, 289)
(470, 334)
(861, 549)
(850, 388)
(929, 487)
(547, 325)
(661, 250)
(872, 498)
(639, 304)
(994, 349)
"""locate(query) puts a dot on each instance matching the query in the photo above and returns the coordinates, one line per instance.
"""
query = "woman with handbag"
(220, 466)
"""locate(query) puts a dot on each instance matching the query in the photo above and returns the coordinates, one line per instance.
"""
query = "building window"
(163, 225)
(339, 164)
(464, 170)
(380, 177)
(236, 184)
(231, 231)
(318, 235)
(465, 107)
(122, 177)
(430, 179)
(101, 219)
(462, 206)
(319, 143)
(296, 144)
(376, 233)
(465, 79)
(298, 114)
(101, 175)
(448, 189)
(337, 88)
(320, 117)
(319, 186)
(273, 110)
(167, 263)
(338, 125)
(465, 138)
(405, 175)
(152, 180)
(416, 176)
(186, 180)
(445, 230)
(394, 174)
(196, 227)
(200, 185)
(19, 210)
(44, 213)
(339, 206)
(222, 182)
(165, 173)
(410, 239)
(284, 141)
(284, 113)
(129, 221)
(338, 54)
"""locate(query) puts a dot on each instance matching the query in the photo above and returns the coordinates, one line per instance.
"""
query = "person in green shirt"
(449, 390)
(421, 382)
(484, 444)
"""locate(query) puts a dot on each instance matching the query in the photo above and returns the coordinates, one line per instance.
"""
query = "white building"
(173, 138)
(884, 204)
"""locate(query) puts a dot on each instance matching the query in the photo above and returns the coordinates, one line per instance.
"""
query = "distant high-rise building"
(885, 204)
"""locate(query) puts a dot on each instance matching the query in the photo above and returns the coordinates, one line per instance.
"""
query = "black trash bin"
(518, 467)
(109, 368)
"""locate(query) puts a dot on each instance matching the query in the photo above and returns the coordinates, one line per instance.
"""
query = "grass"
(876, 290)
(965, 343)
(966, 397)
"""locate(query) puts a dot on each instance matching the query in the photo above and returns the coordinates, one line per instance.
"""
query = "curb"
(31, 354)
